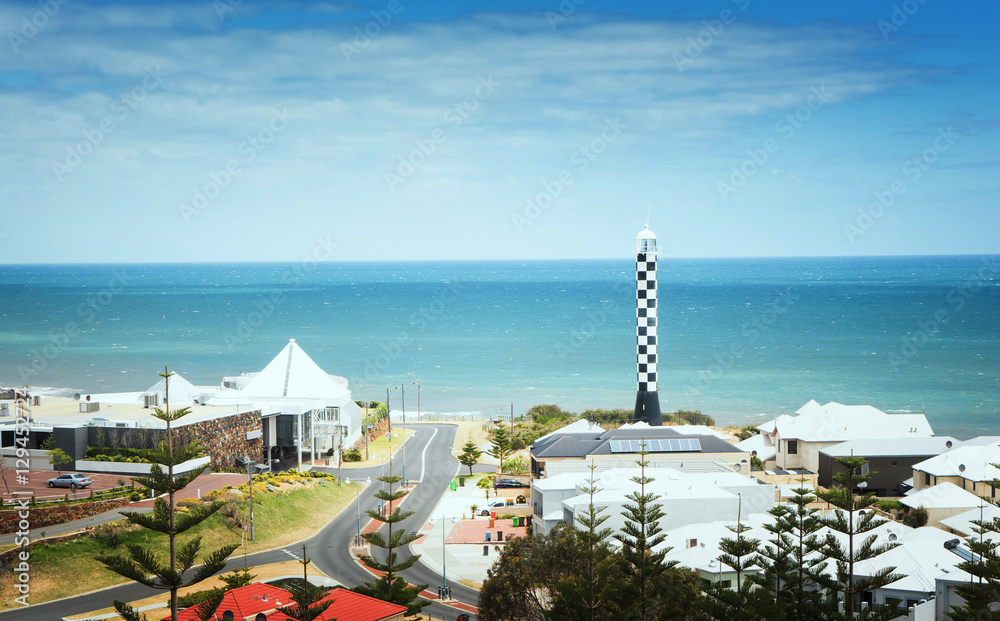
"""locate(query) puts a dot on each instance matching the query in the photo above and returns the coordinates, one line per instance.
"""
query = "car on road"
(71, 481)
(500, 483)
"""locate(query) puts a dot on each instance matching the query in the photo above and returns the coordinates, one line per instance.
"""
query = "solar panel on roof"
(654, 446)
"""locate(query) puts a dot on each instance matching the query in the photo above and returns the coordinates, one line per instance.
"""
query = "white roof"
(699, 430)
(760, 443)
(962, 522)
(887, 447)
(291, 375)
(920, 563)
(972, 459)
(582, 427)
(942, 496)
(181, 390)
(836, 422)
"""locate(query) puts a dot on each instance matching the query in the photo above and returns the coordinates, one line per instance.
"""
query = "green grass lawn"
(280, 518)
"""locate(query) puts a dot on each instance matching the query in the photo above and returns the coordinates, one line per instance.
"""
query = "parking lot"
(35, 483)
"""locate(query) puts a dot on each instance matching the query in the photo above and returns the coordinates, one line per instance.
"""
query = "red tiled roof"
(351, 606)
(245, 602)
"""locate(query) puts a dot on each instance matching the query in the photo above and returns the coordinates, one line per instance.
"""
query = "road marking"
(423, 456)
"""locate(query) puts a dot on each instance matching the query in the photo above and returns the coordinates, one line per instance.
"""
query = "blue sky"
(413, 130)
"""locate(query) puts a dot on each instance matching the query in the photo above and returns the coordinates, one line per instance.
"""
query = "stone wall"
(224, 439)
(41, 517)
(378, 429)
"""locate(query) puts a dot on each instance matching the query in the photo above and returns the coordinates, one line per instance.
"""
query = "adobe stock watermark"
(580, 160)
(121, 108)
(567, 9)
(786, 127)
(87, 311)
(22, 469)
(901, 14)
(954, 302)
(710, 32)
(419, 321)
(912, 169)
(225, 7)
(749, 335)
(33, 24)
(455, 116)
(249, 149)
(266, 306)
(364, 35)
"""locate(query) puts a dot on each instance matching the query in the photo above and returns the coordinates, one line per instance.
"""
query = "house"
(969, 465)
(558, 452)
(942, 501)
(261, 601)
(890, 460)
(798, 439)
(686, 498)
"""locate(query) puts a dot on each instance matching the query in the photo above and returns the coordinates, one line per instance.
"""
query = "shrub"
(188, 502)
(352, 455)
(916, 518)
(193, 599)
(135, 496)
(889, 505)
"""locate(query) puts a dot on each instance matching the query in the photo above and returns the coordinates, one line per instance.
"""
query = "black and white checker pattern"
(645, 307)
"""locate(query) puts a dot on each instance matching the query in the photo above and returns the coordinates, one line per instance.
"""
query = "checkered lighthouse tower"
(647, 402)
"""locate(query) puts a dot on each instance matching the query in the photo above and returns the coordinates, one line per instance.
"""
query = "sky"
(234, 130)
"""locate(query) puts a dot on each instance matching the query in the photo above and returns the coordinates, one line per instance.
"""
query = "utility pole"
(250, 465)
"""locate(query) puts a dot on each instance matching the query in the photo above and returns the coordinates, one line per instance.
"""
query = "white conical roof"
(181, 390)
(293, 374)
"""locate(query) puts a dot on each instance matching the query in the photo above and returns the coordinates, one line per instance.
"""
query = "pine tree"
(500, 439)
(849, 521)
(983, 592)
(791, 562)
(744, 600)
(390, 587)
(470, 455)
(638, 537)
(141, 565)
(590, 589)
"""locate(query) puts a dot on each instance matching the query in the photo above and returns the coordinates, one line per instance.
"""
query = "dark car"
(509, 483)
(71, 481)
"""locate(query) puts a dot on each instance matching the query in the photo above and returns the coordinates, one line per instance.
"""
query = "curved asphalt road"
(429, 464)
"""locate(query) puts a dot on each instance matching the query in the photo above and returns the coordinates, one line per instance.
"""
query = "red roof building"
(246, 603)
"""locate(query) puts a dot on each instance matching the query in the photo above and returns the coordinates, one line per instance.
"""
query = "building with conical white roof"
(302, 406)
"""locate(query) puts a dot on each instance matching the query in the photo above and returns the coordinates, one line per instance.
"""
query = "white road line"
(423, 456)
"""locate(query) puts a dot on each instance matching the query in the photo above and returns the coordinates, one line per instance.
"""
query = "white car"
(498, 504)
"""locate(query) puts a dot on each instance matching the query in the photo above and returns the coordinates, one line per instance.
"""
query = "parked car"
(71, 481)
(494, 505)
(509, 483)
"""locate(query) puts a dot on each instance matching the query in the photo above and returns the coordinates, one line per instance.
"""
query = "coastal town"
(920, 509)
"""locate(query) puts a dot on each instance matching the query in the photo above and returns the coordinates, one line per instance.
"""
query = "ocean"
(742, 340)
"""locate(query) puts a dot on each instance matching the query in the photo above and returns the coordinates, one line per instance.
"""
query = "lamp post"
(417, 380)
(402, 400)
(357, 498)
(250, 466)
(443, 592)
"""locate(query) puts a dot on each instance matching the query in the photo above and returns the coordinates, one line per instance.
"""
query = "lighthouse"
(647, 402)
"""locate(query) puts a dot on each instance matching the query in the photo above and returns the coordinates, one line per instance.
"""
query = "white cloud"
(355, 119)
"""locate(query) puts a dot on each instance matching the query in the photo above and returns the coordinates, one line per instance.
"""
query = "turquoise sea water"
(740, 339)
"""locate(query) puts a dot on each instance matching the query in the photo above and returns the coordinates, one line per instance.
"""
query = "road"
(429, 463)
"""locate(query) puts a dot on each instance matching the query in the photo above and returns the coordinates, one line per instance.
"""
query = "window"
(895, 463)
(793, 447)
(927, 478)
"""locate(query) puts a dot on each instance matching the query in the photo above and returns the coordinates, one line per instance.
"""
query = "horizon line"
(535, 259)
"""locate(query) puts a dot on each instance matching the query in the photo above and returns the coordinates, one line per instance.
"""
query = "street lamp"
(444, 592)
(357, 498)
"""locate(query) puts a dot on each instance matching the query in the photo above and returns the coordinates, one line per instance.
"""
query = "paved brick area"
(36, 484)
